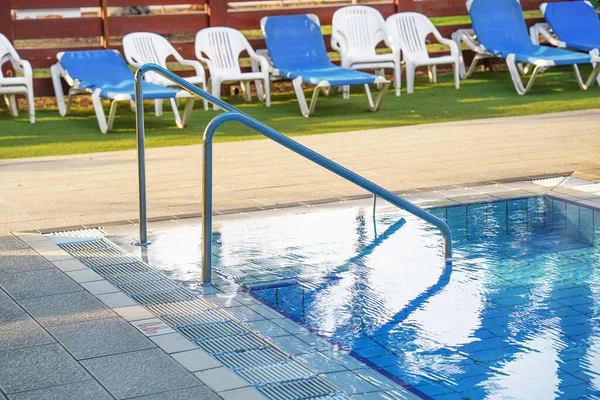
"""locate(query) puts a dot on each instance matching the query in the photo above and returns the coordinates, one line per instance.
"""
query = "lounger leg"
(346, 92)
(58, 90)
(267, 87)
(595, 53)
(590, 81)
(111, 115)
(215, 90)
(297, 83)
(432, 72)
(375, 106)
(31, 105)
(72, 93)
(410, 78)
(516, 76)
(456, 67)
(100, 115)
(11, 102)
(158, 107)
(175, 108)
(398, 79)
(315, 97)
(204, 101)
(246, 88)
(473, 66)
(368, 94)
(187, 112)
(132, 105)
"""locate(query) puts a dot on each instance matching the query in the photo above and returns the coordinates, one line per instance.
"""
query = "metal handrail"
(235, 115)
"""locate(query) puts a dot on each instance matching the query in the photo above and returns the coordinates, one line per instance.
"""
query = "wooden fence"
(105, 30)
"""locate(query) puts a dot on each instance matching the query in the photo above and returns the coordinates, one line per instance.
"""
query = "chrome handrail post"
(141, 154)
(207, 205)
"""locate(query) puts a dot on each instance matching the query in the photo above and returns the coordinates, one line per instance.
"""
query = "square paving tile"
(118, 299)
(38, 367)
(100, 337)
(201, 392)
(37, 283)
(70, 265)
(220, 379)
(173, 342)
(155, 372)
(196, 360)
(72, 391)
(10, 242)
(83, 275)
(133, 313)
(22, 261)
(99, 287)
(246, 393)
(66, 308)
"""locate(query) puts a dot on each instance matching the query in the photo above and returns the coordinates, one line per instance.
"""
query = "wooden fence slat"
(57, 28)
(162, 24)
(43, 4)
(217, 12)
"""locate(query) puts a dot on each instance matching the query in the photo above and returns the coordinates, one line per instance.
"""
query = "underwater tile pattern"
(516, 315)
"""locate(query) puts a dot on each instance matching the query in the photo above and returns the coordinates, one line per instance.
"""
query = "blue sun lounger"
(575, 24)
(297, 51)
(501, 31)
(105, 75)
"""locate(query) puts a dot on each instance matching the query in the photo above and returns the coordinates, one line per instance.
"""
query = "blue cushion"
(108, 71)
(575, 23)
(501, 29)
(297, 48)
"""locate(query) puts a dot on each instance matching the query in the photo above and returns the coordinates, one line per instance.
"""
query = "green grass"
(486, 95)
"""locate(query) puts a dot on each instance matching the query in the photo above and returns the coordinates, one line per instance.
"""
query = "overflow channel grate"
(270, 371)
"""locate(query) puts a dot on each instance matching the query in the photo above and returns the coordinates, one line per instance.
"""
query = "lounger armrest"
(205, 61)
(197, 67)
(24, 67)
(543, 29)
(468, 37)
(264, 63)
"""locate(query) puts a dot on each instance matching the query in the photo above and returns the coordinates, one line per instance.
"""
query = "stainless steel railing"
(232, 114)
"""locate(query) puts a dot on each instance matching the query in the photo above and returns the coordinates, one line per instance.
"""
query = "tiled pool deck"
(65, 331)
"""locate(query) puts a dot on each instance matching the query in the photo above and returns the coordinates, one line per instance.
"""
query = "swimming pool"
(515, 316)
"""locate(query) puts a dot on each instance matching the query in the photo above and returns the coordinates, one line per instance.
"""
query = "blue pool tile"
(434, 389)
(586, 225)
(576, 392)
(450, 396)
(371, 352)
(567, 379)
(572, 220)
(350, 383)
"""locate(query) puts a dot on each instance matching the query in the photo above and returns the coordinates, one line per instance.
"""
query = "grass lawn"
(485, 95)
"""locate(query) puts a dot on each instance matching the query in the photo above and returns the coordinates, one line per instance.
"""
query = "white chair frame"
(355, 33)
(220, 48)
(10, 86)
(142, 48)
(106, 125)
(407, 33)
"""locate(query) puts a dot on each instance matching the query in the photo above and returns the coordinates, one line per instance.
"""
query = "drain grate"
(130, 277)
(252, 358)
(301, 389)
(170, 296)
(230, 344)
(79, 233)
(124, 269)
(276, 375)
(149, 287)
(281, 372)
(211, 330)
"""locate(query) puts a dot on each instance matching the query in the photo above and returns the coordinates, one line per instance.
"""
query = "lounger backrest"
(146, 47)
(358, 30)
(295, 42)
(96, 68)
(573, 21)
(499, 24)
(7, 51)
(408, 31)
(222, 46)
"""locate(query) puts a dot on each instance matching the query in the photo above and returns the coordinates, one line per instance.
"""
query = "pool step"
(270, 371)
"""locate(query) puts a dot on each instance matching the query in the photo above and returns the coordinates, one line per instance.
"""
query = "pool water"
(516, 315)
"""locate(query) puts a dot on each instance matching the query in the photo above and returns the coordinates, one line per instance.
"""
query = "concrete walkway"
(95, 188)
